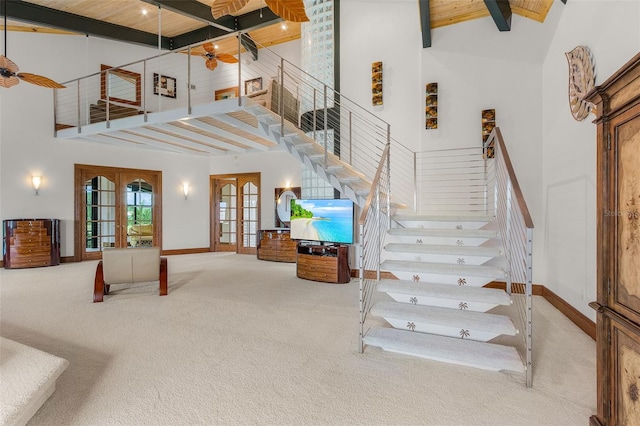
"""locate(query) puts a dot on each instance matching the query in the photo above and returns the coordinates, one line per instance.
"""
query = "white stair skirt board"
(487, 356)
(443, 321)
(463, 255)
(465, 237)
(477, 299)
(475, 276)
(28, 379)
(443, 221)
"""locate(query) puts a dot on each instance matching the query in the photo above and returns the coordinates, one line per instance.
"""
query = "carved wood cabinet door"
(623, 237)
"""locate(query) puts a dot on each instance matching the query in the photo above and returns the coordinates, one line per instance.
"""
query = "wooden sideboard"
(323, 263)
(29, 243)
(275, 245)
(617, 102)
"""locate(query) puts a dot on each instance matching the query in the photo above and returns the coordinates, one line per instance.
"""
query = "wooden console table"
(323, 263)
(29, 243)
(276, 245)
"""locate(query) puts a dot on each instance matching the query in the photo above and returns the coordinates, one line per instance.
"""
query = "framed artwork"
(431, 106)
(164, 86)
(253, 85)
(376, 83)
(488, 123)
(229, 92)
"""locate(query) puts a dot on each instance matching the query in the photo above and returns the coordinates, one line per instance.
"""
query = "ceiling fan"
(212, 56)
(289, 10)
(9, 75)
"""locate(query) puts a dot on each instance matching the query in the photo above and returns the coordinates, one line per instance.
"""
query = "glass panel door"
(100, 213)
(226, 227)
(248, 224)
(139, 195)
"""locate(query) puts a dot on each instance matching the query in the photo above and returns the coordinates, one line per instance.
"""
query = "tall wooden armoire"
(617, 103)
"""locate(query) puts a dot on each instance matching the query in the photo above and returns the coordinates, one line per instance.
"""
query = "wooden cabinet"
(617, 103)
(275, 244)
(323, 263)
(29, 243)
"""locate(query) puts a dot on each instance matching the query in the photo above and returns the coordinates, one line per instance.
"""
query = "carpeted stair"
(440, 308)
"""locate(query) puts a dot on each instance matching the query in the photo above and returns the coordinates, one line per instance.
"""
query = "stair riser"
(449, 241)
(441, 224)
(437, 258)
(442, 278)
(441, 330)
(444, 303)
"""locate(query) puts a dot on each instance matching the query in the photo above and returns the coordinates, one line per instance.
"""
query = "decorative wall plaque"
(376, 83)
(582, 78)
(431, 106)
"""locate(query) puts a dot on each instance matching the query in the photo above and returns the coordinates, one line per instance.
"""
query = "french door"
(116, 207)
(235, 207)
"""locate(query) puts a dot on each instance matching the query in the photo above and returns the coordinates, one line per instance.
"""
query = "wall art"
(431, 106)
(376, 83)
(488, 123)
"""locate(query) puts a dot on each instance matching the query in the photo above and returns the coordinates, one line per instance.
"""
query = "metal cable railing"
(373, 225)
(516, 230)
(180, 80)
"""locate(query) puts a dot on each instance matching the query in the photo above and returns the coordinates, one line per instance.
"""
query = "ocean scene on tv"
(328, 220)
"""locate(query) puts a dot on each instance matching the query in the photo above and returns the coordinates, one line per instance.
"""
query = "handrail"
(514, 180)
(374, 184)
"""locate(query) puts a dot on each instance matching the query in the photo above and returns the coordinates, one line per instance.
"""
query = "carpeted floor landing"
(240, 341)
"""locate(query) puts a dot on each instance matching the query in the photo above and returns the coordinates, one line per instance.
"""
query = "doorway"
(116, 207)
(235, 212)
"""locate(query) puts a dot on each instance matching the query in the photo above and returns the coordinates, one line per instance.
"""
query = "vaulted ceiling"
(178, 23)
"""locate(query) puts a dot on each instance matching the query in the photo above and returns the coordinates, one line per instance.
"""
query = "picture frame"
(229, 92)
(253, 85)
(164, 86)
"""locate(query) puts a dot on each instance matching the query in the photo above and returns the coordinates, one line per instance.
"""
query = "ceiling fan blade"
(8, 81)
(8, 64)
(289, 10)
(220, 8)
(39, 80)
(225, 57)
(211, 64)
(208, 46)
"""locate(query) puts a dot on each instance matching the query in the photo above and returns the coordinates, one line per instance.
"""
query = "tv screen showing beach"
(322, 220)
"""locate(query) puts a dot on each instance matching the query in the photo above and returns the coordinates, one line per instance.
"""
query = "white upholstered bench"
(28, 378)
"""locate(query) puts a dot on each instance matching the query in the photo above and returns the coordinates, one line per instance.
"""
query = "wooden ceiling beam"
(500, 11)
(425, 22)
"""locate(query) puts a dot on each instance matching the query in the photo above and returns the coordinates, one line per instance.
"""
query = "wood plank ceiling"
(184, 22)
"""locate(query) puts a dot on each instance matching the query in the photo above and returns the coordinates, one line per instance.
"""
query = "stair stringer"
(329, 167)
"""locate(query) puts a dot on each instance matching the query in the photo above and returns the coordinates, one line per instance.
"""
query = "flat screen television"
(326, 220)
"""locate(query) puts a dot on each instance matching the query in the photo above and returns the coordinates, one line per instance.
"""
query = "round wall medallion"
(582, 78)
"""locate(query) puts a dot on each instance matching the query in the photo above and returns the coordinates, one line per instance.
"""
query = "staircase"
(423, 273)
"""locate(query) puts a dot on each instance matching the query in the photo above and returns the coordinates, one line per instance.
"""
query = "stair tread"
(458, 233)
(471, 320)
(443, 218)
(443, 249)
(488, 356)
(443, 268)
(445, 291)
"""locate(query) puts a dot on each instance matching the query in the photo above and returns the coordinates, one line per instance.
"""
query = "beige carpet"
(240, 341)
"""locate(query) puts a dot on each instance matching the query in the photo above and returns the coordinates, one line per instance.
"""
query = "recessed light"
(283, 26)
(215, 46)
(144, 11)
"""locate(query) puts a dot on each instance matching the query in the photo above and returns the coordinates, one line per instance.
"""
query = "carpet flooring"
(240, 341)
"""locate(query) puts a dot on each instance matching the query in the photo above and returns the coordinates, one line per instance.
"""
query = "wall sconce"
(36, 181)
(287, 185)
(185, 189)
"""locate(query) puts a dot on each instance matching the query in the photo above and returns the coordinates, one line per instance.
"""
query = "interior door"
(116, 207)
(235, 206)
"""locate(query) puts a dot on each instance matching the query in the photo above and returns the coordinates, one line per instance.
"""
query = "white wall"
(523, 74)
(27, 146)
(611, 30)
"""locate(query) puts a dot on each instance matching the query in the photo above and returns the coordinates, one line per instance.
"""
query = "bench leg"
(98, 284)
(163, 276)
